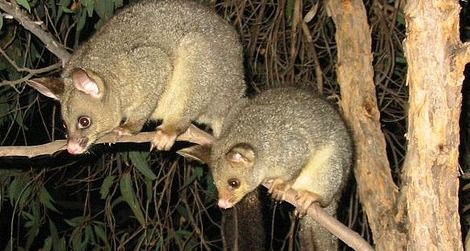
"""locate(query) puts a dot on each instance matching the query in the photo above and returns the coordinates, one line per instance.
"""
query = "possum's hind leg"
(304, 199)
(188, 93)
(167, 133)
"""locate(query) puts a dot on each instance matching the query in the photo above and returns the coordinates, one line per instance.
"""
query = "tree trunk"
(431, 169)
(377, 191)
(428, 201)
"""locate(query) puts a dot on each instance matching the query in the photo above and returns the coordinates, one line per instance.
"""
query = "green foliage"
(289, 12)
(130, 197)
(140, 160)
(46, 199)
(108, 182)
(25, 4)
(19, 191)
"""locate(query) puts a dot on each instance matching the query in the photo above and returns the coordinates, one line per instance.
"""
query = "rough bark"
(377, 191)
(431, 169)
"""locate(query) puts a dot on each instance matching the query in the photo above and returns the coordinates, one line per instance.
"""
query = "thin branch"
(348, 236)
(31, 73)
(47, 38)
(193, 134)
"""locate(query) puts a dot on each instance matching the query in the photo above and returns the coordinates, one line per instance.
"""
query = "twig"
(31, 73)
(51, 44)
(193, 134)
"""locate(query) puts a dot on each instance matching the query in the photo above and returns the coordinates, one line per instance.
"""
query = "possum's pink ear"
(199, 153)
(241, 154)
(88, 82)
(49, 87)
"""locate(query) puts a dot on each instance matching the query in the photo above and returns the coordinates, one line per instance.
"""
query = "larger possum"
(174, 61)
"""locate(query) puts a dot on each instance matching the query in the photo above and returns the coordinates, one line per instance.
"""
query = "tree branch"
(198, 136)
(51, 43)
(351, 238)
(193, 134)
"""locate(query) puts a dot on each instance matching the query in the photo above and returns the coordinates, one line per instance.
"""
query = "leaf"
(118, 3)
(34, 224)
(76, 238)
(74, 222)
(148, 188)
(197, 174)
(101, 234)
(130, 198)
(89, 6)
(211, 191)
(61, 245)
(289, 9)
(19, 120)
(55, 236)
(182, 211)
(1, 21)
(80, 26)
(105, 10)
(46, 199)
(47, 244)
(25, 4)
(89, 235)
(139, 159)
(61, 10)
(106, 186)
(19, 190)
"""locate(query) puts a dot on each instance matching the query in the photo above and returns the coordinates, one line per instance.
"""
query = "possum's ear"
(49, 87)
(88, 82)
(241, 154)
(199, 153)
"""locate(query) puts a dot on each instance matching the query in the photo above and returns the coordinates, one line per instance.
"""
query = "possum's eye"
(234, 183)
(84, 122)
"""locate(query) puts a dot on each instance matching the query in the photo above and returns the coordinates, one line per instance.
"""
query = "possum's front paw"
(304, 199)
(129, 127)
(163, 140)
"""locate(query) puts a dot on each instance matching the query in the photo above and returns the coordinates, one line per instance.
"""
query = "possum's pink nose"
(223, 203)
(74, 148)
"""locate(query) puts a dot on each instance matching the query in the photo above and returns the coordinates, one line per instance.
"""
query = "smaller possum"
(289, 136)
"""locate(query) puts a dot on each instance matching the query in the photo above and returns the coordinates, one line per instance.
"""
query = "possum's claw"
(122, 131)
(304, 199)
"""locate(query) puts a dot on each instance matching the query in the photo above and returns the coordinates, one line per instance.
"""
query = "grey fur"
(285, 128)
(175, 61)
